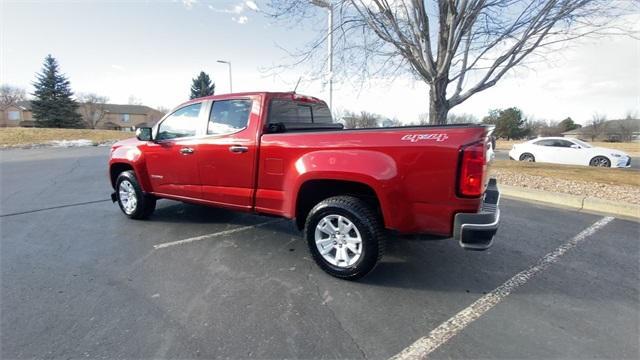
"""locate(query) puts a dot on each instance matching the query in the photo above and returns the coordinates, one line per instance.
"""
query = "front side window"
(563, 143)
(182, 123)
(582, 143)
(14, 115)
(228, 116)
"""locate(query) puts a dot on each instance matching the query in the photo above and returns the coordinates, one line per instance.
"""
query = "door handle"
(238, 149)
(186, 151)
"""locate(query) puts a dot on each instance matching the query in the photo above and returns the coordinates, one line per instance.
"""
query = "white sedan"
(568, 151)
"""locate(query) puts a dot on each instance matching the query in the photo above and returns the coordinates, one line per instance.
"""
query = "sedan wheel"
(527, 157)
(600, 161)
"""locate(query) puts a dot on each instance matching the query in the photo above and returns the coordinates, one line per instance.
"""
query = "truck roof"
(269, 94)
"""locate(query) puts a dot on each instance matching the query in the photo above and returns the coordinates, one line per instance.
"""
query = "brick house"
(117, 117)
(613, 130)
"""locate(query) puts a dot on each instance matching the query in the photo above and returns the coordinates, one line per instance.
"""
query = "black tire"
(145, 203)
(527, 157)
(600, 161)
(366, 221)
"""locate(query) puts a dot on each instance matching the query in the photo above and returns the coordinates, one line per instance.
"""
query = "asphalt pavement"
(80, 280)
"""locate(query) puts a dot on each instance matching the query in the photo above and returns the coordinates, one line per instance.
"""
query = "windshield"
(582, 143)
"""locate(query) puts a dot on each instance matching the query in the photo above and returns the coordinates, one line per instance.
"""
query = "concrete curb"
(576, 202)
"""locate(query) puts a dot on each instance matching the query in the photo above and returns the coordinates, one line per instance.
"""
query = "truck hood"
(127, 142)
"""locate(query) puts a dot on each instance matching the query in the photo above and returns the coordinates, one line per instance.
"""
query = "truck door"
(171, 157)
(227, 153)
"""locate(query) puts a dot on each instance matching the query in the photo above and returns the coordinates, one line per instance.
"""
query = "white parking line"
(440, 335)
(208, 236)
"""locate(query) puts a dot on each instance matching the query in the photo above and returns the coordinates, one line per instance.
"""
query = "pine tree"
(202, 86)
(54, 105)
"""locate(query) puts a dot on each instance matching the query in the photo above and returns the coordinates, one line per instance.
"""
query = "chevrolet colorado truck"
(281, 154)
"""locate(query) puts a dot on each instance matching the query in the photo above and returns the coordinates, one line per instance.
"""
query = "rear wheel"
(132, 200)
(527, 157)
(345, 237)
(600, 161)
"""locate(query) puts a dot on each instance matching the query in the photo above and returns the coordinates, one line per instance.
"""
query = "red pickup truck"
(282, 154)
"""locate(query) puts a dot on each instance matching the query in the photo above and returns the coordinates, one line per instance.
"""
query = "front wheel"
(600, 161)
(132, 200)
(345, 237)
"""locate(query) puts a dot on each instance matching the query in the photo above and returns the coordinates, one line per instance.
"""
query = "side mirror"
(576, 146)
(144, 134)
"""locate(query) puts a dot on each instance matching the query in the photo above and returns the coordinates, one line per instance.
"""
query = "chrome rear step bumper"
(475, 231)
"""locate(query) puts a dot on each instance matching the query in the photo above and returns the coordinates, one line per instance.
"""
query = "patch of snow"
(71, 143)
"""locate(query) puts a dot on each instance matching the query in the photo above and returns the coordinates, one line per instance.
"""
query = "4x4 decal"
(419, 137)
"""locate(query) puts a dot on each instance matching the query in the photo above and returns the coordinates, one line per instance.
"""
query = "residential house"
(14, 115)
(117, 117)
(613, 130)
(125, 117)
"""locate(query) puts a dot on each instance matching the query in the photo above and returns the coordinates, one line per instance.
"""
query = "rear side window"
(182, 123)
(544, 143)
(228, 116)
(295, 112)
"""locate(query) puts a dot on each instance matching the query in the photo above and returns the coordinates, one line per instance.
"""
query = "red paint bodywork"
(415, 181)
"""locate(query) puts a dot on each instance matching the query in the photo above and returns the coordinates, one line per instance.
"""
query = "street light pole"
(326, 4)
(230, 79)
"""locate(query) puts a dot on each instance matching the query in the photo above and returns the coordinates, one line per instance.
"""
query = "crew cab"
(281, 154)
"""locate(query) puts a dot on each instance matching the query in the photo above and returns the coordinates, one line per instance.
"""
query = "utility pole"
(326, 4)
(230, 79)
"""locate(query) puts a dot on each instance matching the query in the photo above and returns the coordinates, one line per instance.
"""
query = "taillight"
(472, 168)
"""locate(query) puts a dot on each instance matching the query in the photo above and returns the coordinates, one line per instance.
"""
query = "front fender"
(133, 157)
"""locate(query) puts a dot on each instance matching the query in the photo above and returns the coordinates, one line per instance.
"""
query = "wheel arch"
(313, 191)
(117, 167)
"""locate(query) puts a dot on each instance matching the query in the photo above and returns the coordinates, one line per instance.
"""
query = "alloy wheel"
(338, 240)
(128, 197)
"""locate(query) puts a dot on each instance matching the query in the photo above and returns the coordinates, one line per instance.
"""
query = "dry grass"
(10, 137)
(633, 149)
(566, 172)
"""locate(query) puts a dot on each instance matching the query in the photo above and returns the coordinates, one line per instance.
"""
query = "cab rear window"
(297, 112)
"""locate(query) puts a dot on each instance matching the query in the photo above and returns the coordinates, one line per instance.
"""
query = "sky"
(152, 49)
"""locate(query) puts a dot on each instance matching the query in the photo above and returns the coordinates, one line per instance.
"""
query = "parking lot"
(80, 280)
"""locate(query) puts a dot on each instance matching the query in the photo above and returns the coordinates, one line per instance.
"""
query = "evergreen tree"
(53, 105)
(202, 86)
(510, 123)
(567, 125)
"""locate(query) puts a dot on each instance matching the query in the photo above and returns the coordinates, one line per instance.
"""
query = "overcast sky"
(152, 49)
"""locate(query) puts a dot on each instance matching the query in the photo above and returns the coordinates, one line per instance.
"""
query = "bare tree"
(458, 47)
(363, 120)
(163, 109)
(367, 120)
(628, 126)
(92, 108)
(423, 119)
(133, 100)
(462, 119)
(10, 96)
(337, 114)
(350, 120)
(596, 126)
(393, 122)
